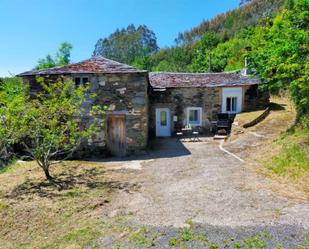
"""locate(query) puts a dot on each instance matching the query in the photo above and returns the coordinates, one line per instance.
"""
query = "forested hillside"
(227, 24)
(126, 44)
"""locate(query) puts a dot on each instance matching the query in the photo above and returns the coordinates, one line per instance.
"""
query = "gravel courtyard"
(207, 192)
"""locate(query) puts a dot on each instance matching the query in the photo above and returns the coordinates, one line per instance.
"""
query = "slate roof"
(162, 80)
(93, 65)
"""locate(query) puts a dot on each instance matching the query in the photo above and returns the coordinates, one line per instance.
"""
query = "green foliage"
(61, 58)
(140, 237)
(173, 242)
(281, 57)
(53, 122)
(202, 60)
(213, 246)
(127, 44)
(174, 59)
(255, 242)
(13, 101)
(186, 234)
(293, 159)
(49, 125)
(228, 24)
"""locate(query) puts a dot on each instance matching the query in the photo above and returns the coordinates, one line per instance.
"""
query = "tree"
(50, 125)
(281, 55)
(13, 101)
(127, 44)
(228, 24)
(229, 55)
(61, 58)
(55, 122)
(64, 53)
(202, 59)
(243, 2)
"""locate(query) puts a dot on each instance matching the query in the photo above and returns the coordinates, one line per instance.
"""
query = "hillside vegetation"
(227, 24)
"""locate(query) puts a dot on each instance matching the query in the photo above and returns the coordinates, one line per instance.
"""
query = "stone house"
(141, 103)
(119, 87)
(195, 99)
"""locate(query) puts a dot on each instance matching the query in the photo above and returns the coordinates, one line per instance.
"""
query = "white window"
(81, 81)
(194, 116)
(231, 100)
(231, 104)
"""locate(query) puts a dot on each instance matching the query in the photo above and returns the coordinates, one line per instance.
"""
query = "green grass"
(255, 242)
(80, 235)
(213, 246)
(186, 234)
(44, 216)
(9, 167)
(173, 242)
(3, 205)
(73, 193)
(293, 157)
(139, 237)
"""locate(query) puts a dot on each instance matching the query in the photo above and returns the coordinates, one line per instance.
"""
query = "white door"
(163, 122)
(232, 100)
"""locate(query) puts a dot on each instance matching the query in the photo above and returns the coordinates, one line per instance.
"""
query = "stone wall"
(209, 99)
(122, 93)
(178, 99)
(126, 94)
(254, 98)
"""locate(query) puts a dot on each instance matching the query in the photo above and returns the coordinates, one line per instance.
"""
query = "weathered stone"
(139, 100)
(121, 90)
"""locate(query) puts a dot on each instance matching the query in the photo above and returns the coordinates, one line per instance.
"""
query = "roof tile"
(92, 65)
(173, 80)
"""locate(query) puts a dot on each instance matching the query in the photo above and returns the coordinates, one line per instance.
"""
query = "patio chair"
(195, 134)
(179, 135)
(223, 124)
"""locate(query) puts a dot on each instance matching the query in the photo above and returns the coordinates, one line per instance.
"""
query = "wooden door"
(116, 134)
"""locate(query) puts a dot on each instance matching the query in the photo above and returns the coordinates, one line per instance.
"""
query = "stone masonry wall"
(126, 94)
(123, 93)
(254, 98)
(209, 99)
(178, 99)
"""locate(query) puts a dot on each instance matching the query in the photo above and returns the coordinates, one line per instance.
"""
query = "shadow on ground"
(92, 178)
(158, 148)
(277, 107)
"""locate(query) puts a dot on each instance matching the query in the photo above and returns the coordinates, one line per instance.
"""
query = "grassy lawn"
(284, 155)
(37, 214)
(291, 157)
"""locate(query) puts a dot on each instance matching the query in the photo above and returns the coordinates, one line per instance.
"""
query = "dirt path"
(208, 187)
(213, 193)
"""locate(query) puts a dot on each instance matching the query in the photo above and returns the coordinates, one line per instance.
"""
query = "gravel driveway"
(197, 185)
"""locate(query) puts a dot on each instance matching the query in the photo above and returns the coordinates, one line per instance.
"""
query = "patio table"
(187, 132)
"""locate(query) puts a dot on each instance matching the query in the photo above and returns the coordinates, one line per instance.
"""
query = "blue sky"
(30, 29)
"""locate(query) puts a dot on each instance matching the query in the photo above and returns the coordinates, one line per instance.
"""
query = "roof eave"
(84, 72)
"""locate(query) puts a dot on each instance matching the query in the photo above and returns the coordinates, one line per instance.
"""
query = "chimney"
(247, 71)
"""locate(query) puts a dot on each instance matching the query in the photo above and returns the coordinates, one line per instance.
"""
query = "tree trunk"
(46, 172)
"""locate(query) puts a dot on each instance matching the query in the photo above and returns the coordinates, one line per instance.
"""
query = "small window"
(85, 80)
(194, 115)
(77, 81)
(81, 80)
(231, 104)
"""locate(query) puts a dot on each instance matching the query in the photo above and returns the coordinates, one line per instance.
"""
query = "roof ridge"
(107, 59)
(95, 64)
(184, 73)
